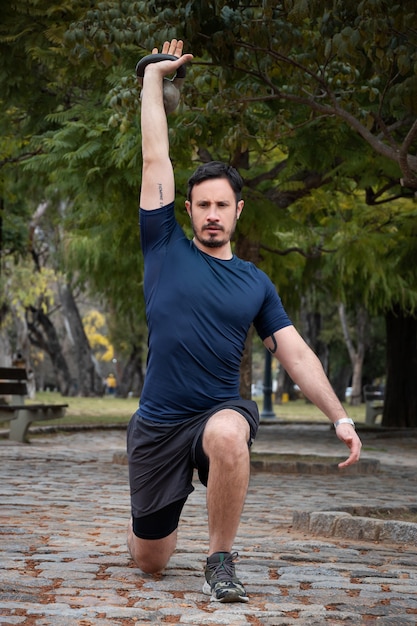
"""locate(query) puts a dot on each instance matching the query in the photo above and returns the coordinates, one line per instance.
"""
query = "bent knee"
(226, 432)
(148, 566)
(151, 556)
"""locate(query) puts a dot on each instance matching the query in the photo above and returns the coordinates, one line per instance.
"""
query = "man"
(200, 303)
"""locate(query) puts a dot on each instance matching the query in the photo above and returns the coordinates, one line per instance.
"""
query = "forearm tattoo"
(274, 346)
(161, 195)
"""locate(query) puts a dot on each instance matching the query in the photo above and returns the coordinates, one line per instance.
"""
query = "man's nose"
(213, 213)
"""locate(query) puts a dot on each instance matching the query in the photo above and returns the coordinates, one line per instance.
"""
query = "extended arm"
(306, 371)
(158, 187)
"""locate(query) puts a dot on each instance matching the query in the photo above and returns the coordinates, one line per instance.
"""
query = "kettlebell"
(171, 87)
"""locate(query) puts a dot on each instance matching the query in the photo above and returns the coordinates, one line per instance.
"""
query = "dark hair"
(216, 169)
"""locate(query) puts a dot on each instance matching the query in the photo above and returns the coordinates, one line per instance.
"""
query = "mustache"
(211, 226)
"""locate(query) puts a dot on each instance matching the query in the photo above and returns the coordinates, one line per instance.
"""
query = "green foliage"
(363, 249)
(312, 101)
(22, 288)
(25, 290)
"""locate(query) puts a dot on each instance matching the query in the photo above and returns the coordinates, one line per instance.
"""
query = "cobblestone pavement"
(63, 560)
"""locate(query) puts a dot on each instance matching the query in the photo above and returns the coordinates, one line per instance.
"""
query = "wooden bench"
(13, 382)
(374, 401)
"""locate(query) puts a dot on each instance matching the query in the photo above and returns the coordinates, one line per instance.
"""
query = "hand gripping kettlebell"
(171, 88)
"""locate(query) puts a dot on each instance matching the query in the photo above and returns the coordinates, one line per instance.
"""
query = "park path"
(63, 560)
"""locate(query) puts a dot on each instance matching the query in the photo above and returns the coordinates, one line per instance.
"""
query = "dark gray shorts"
(162, 456)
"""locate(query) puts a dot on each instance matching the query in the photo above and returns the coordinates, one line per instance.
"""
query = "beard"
(212, 240)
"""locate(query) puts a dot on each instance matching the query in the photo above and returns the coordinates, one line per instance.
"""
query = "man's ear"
(240, 206)
(188, 207)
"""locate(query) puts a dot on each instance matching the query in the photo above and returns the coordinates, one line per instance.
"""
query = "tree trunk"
(132, 378)
(248, 251)
(5, 352)
(88, 375)
(312, 326)
(400, 405)
(246, 367)
(5, 347)
(43, 335)
(340, 379)
(357, 354)
(285, 385)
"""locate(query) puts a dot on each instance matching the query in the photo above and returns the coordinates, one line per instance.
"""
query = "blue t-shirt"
(199, 310)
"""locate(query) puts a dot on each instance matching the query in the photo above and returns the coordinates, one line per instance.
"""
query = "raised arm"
(158, 187)
(307, 372)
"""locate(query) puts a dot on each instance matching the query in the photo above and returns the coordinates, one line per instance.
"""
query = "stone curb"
(305, 464)
(342, 524)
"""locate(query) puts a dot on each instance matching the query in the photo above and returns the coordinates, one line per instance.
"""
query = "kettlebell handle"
(155, 58)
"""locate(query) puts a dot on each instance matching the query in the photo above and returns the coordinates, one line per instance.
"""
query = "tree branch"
(410, 174)
(269, 175)
(21, 157)
(400, 155)
(316, 252)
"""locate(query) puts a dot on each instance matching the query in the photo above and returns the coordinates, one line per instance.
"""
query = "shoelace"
(224, 570)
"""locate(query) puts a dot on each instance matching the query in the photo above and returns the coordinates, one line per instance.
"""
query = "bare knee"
(151, 555)
(226, 435)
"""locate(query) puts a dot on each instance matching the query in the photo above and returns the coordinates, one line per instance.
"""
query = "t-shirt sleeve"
(272, 315)
(157, 228)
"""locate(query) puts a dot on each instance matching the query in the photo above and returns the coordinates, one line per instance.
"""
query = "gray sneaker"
(221, 582)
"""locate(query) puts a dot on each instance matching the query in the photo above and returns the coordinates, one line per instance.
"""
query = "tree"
(324, 53)
(38, 78)
(400, 406)
(356, 353)
(354, 63)
(94, 324)
(303, 98)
